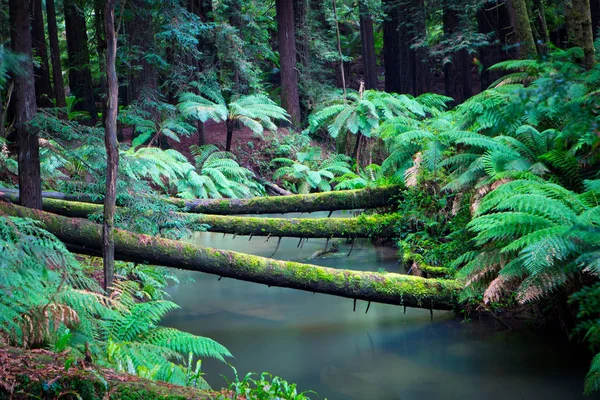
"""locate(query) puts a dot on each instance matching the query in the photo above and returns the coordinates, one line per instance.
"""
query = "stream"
(320, 343)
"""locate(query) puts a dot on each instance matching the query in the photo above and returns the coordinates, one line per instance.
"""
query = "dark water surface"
(318, 341)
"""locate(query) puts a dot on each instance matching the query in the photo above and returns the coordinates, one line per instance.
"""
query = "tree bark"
(290, 99)
(493, 18)
(373, 226)
(30, 184)
(540, 14)
(388, 288)
(230, 126)
(43, 87)
(329, 201)
(367, 41)
(59, 85)
(112, 147)
(391, 47)
(80, 75)
(522, 28)
(457, 71)
(579, 22)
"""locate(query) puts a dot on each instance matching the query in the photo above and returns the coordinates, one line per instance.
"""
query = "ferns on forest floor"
(47, 300)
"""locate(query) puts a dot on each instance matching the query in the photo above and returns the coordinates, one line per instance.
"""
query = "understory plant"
(47, 300)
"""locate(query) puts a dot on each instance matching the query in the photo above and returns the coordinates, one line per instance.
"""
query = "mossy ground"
(41, 374)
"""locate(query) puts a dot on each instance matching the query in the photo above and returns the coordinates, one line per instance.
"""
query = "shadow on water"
(318, 341)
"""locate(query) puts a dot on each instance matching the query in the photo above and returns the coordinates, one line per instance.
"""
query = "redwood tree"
(80, 75)
(520, 19)
(59, 86)
(43, 87)
(112, 147)
(290, 99)
(30, 186)
(367, 42)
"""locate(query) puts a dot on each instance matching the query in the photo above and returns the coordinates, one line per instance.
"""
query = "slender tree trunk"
(112, 147)
(30, 184)
(290, 99)
(99, 6)
(579, 22)
(230, 126)
(367, 41)
(59, 85)
(540, 16)
(80, 75)
(43, 87)
(522, 28)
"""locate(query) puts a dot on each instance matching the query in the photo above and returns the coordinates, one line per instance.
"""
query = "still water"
(319, 342)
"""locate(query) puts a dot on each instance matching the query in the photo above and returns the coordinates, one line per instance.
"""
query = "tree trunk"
(388, 288)
(80, 75)
(112, 147)
(457, 70)
(391, 47)
(230, 126)
(290, 99)
(373, 226)
(540, 15)
(30, 184)
(579, 22)
(302, 32)
(493, 18)
(522, 28)
(386, 196)
(59, 85)
(43, 87)
(405, 65)
(595, 14)
(367, 41)
(99, 11)
(201, 133)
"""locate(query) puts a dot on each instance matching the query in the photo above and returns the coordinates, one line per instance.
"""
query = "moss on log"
(389, 288)
(329, 201)
(381, 226)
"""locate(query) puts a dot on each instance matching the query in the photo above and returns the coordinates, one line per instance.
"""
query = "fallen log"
(381, 226)
(389, 288)
(328, 201)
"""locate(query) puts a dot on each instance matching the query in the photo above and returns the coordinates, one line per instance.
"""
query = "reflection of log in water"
(388, 288)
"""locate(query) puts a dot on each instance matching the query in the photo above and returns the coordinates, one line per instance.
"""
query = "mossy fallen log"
(329, 201)
(389, 288)
(380, 226)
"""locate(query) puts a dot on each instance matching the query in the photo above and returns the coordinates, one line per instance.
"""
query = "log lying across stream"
(329, 201)
(380, 226)
(389, 288)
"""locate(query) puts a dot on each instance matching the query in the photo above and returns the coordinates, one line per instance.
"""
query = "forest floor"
(40, 373)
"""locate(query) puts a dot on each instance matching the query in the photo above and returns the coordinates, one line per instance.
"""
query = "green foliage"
(310, 171)
(265, 388)
(46, 299)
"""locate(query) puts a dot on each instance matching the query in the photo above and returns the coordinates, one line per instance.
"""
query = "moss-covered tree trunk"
(380, 226)
(389, 288)
(522, 28)
(579, 23)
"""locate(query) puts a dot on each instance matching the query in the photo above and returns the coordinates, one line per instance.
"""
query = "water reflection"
(319, 342)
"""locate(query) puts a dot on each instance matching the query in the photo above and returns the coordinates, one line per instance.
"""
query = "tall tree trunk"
(59, 85)
(595, 14)
(540, 16)
(290, 99)
(367, 41)
(230, 126)
(522, 28)
(80, 75)
(112, 147)
(30, 184)
(43, 87)
(494, 18)
(457, 70)
(391, 47)
(579, 22)
(409, 70)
